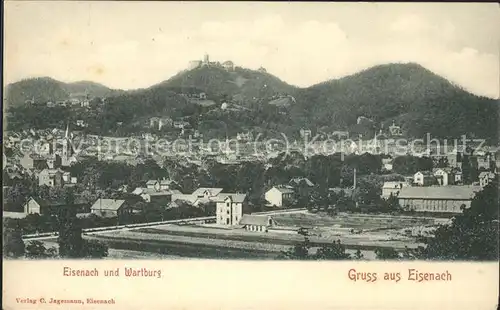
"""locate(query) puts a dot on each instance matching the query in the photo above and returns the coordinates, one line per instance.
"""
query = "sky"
(130, 45)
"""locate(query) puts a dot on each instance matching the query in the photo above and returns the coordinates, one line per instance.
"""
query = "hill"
(93, 89)
(240, 85)
(46, 89)
(416, 98)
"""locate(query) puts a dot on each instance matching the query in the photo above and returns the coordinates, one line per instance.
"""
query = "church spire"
(66, 134)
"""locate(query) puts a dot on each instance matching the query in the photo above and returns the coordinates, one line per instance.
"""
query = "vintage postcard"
(249, 155)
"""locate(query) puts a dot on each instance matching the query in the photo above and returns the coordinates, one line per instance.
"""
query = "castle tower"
(206, 60)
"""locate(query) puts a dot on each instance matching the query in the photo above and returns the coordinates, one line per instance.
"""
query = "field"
(365, 222)
(359, 231)
(363, 232)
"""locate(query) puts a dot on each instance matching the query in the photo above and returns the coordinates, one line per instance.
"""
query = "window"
(227, 221)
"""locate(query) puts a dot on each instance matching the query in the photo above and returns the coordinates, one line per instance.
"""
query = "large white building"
(449, 199)
(278, 196)
(444, 176)
(229, 208)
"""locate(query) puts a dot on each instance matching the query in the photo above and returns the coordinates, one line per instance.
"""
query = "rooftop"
(108, 204)
(214, 191)
(395, 184)
(260, 220)
(284, 189)
(299, 180)
(235, 197)
(453, 192)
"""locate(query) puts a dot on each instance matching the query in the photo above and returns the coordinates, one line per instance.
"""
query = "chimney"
(354, 184)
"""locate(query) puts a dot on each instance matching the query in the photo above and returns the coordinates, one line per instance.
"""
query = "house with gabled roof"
(51, 178)
(259, 223)
(485, 178)
(53, 206)
(110, 208)
(207, 192)
(300, 181)
(279, 196)
(424, 178)
(444, 176)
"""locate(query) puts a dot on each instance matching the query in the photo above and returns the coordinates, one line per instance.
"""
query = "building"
(259, 223)
(393, 188)
(444, 176)
(51, 178)
(447, 199)
(168, 185)
(387, 164)
(81, 123)
(228, 65)
(54, 161)
(162, 197)
(159, 122)
(301, 181)
(395, 130)
(424, 178)
(454, 159)
(305, 133)
(279, 196)
(484, 162)
(110, 208)
(67, 150)
(244, 136)
(340, 135)
(33, 161)
(153, 184)
(229, 208)
(210, 193)
(457, 174)
(53, 207)
(206, 60)
(485, 178)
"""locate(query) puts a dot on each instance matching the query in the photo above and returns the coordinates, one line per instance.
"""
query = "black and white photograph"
(269, 131)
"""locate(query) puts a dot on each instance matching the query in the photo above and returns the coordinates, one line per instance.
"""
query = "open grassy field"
(365, 222)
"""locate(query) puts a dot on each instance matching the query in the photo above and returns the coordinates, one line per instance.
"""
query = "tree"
(319, 198)
(70, 237)
(367, 193)
(472, 235)
(36, 249)
(406, 165)
(95, 249)
(299, 251)
(358, 255)
(392, 204)
(334, 251)
(13, 244)
(386, 253)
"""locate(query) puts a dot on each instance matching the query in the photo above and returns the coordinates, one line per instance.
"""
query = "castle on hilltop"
(194, 64)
